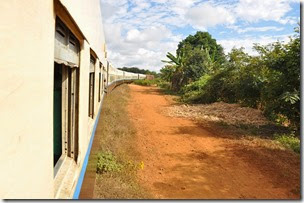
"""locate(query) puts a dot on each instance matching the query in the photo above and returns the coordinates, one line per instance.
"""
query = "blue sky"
(140, 32)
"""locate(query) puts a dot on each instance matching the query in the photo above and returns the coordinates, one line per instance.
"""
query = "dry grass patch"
(117, 158)
(246, 125)
(232, 114)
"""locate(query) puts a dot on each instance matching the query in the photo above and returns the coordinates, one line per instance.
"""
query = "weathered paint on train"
(27, 47)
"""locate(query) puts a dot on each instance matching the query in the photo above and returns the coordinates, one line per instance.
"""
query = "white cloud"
(141, 32)
(239, 29)
(289, 20)
(261, 29)
(207, 15)
(141, 48)
(138, 35)
(248, 42)
(256, 10)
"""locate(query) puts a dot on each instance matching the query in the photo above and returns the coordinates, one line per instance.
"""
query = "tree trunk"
(176, 82)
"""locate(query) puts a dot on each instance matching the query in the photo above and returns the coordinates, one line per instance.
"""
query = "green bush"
(107, 162)
(196, 92)
(290, 141)
(270, 80)
(281, 89)
(164, 85)
(145, 82)
(211, 88)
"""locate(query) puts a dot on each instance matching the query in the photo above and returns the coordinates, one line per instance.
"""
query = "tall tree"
(281, 91)
(196, 55)
(177, 66)
(203, 41)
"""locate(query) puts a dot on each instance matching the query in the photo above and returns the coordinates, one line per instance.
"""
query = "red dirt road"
(185, 161)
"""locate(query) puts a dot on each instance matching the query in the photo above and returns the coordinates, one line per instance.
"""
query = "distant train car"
(54, 75)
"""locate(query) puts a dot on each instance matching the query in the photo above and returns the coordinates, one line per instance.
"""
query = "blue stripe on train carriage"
(86, 159)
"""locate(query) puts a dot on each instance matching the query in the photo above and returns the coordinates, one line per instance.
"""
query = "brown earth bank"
(185, 160)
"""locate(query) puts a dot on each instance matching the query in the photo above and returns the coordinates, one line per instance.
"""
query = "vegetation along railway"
(54, 75)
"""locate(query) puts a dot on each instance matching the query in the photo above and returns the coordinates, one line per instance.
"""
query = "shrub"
(195, 92)
(290, 141)
(164, 85)
(211, 88)
(145, 82)
(107, 162)
(269, 81)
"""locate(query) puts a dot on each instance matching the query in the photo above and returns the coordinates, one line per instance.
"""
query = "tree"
(269, 81)
(204, 41)
(196, 55)
(177, 66)
(166, 73)
(281, 90)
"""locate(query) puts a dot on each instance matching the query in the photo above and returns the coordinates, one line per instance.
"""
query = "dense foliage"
(203, 41)
(270, 81)
(146, 82)
(196, 55)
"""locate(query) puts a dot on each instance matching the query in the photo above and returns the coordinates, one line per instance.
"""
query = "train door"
(66, 95)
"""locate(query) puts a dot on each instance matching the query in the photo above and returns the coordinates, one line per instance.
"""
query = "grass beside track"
(117, 143)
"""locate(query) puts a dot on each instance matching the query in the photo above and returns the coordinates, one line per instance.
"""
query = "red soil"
(183, 160)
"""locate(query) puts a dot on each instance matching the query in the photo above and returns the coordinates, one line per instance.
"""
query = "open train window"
(66, 108)
(91, 86)
(66, 95)
(100, 82)
(108, 73)
(57, 113)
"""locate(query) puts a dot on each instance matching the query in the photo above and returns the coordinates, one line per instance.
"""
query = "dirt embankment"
(184, 160)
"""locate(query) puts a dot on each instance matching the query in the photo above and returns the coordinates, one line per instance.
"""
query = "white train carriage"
(53, 76)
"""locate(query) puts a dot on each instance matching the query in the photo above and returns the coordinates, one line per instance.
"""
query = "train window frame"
(92, 86)
(70, 95)
(69, 115)
(108, 73)
(100, 90)
(67, 46)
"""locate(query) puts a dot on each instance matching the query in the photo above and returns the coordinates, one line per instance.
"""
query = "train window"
(72, 40)
(57, 113)
(91, 86)
(66, 95)
(100, 83)
(103, 83)
(108, 73)
(60, 30)
(66, 101)
(66, 45)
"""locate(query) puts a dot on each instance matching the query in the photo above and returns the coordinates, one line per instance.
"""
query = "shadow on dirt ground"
(190, 159)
